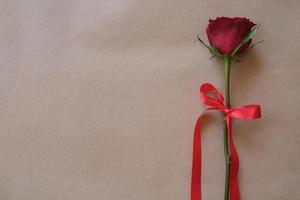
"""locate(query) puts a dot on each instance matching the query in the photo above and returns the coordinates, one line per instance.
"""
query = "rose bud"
(230, 36)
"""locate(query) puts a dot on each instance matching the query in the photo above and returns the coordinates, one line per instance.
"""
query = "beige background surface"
(98, 100)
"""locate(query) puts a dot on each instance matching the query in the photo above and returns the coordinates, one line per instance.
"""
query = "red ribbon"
(242, 112)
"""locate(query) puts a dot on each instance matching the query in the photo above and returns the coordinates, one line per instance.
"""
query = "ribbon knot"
(227, 110)
(210, 96)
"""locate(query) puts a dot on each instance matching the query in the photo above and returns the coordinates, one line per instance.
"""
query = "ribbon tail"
(196, 166)
(234, 165)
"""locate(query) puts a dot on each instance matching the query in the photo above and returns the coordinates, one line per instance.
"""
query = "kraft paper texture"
(98, 100)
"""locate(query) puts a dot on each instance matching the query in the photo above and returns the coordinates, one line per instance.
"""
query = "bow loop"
(205, 90)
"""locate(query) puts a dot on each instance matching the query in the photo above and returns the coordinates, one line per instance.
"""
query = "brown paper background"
(98, 100)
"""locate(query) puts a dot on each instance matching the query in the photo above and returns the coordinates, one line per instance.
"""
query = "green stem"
(227, 62)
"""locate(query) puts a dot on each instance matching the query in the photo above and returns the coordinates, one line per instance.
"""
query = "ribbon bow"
(242, 112)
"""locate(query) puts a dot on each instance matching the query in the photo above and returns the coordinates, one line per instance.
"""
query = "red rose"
(225, 34)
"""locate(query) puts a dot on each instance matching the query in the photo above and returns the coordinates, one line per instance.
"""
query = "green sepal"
(216, 53)
(212, 50)
(251, 47)
(250, 35)
(202, 42)
(213, 56)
